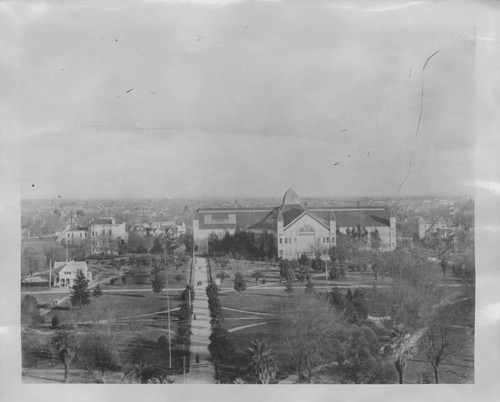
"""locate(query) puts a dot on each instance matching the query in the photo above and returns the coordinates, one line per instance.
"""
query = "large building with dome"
(298, 228)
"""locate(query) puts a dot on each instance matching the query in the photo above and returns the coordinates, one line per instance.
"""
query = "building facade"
(298, 229)
(103, 230)
(65, 272)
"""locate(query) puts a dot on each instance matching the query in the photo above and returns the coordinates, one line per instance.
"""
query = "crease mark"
(419, 120)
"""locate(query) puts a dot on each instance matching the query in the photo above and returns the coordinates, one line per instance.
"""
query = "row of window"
(95, 233)
(72, 234)
(289, 240)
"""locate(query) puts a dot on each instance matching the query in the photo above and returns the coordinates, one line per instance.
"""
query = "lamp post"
(168, 311)
(326, 268)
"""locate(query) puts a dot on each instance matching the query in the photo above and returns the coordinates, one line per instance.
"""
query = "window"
(286, 240)
(281, 240)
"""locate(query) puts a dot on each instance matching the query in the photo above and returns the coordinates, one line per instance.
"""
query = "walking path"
(201, 370)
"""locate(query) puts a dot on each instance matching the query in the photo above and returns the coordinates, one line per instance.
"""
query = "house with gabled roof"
(297, 227)
(65, 272)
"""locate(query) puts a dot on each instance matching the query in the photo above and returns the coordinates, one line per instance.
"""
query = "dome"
(291, 198)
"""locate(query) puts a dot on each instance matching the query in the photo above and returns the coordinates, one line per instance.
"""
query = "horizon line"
(250, 197)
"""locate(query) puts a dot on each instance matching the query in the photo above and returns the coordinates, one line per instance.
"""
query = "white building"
(65, 272)
(104, 229)
(297, 228)
(73, 235)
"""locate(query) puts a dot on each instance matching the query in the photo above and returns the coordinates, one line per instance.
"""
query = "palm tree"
(403, 348)
(146, 374)
(66, 346)
(263, 361)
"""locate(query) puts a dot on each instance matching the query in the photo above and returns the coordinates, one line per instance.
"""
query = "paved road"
(203, 371)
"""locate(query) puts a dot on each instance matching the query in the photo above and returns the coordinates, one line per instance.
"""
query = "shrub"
(30, 314)
(54, 324)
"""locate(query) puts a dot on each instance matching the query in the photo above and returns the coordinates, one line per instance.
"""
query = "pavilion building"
(298, 228)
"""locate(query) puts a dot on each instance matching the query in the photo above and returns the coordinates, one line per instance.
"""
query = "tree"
(54, 323)
(213, 243)
(222, 275)
(80, 295)
(188, 293)
(188, 242)
(443, 264)
(318, 249)
(162, 342)
(358, 356)
(402, 347)
(257, 275)
(149, 242)
(309, 286)
(360, 304)
(30, 313)
(179, 277)
(289, 287)
(65, 344)
(135, 242)
(54, 252)
(263, 361)
(375, 240)
(102, 244)
(440, 340)
(212, 290)
(98, 353)
(32, 259)
(306, 327)
(158, 283)
(147, 374)
(220, 346)
(240, 284)
(97, 291)
(183, 333)
(286, 270)
(303, 260)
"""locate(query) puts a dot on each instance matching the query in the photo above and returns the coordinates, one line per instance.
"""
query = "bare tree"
(306, 328)
(439, 340)
(318, 249)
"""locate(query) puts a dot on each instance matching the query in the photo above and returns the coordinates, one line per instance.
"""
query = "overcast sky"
(159, 99)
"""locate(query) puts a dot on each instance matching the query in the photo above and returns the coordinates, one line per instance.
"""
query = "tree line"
(244, 244)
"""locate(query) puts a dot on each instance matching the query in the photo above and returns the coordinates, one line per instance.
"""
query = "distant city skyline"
(244, 100)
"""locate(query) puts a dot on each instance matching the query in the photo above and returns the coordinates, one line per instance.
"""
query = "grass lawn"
(236, 365)
(38, 356)
(112, 306)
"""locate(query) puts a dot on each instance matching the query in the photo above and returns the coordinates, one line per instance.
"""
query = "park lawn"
(236, 365)
(112, 306)
(258, 300)
(38, 354)
(457, 368)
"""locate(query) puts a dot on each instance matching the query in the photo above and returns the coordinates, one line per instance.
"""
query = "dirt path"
(201, 370)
